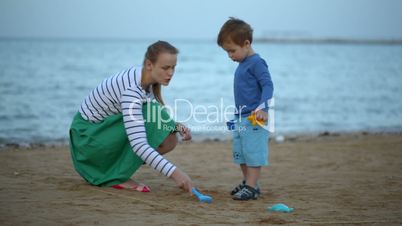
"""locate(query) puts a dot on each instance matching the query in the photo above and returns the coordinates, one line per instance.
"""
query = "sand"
(347, 179)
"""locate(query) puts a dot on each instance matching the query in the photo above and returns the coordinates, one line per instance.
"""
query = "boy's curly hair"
(235, 30)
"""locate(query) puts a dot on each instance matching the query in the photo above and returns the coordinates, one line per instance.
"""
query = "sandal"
(132, 186)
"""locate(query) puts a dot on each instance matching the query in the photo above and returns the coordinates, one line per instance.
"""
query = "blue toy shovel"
(201, 197)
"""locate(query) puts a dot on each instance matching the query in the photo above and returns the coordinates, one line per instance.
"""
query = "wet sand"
(347, 179)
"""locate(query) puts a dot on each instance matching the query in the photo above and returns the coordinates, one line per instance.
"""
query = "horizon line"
(268, 39)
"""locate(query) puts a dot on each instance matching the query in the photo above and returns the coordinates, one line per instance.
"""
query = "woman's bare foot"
(132, 185)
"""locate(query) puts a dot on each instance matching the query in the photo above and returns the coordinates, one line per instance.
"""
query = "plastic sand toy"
(253, 119)
(201, 197)
(280, 207)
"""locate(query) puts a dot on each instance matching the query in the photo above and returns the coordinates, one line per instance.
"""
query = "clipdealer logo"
(205, 117)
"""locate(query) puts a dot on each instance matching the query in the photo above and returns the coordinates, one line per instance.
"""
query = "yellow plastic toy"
(253, 119)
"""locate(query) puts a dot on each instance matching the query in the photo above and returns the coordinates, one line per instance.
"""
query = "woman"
(118, 128)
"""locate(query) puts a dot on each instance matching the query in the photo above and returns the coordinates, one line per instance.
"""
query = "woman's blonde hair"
(152, 55)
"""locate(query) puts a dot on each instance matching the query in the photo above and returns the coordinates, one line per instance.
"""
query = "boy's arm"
(264, 80)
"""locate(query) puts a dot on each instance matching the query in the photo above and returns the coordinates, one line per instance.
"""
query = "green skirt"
(101, 152)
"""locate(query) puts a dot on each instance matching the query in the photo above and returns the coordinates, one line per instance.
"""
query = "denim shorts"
(250, 143)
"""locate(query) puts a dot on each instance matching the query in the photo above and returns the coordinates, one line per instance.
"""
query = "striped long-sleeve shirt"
(122, 93)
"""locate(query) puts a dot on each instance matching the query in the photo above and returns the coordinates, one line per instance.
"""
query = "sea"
(318, 87)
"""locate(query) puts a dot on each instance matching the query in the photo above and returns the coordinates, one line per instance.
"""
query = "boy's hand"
(183, 131)
(261, 115)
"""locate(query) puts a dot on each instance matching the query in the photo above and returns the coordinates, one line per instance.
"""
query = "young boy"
(252, 90)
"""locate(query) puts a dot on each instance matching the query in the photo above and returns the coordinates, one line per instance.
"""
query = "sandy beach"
(346, 179)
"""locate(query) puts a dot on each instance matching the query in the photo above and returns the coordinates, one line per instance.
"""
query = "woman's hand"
(182, 180)
(184, 131)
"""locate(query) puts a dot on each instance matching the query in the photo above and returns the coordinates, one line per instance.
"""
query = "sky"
(199, 19)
